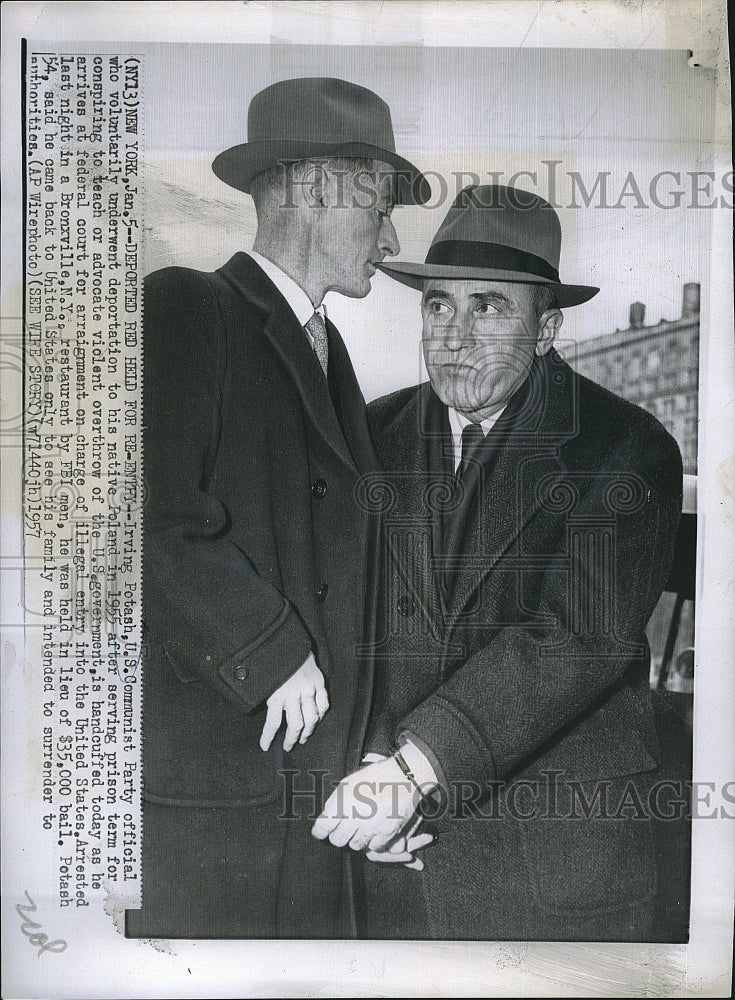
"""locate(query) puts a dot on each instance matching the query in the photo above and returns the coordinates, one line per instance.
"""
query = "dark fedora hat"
(318, 117)
(496, 233)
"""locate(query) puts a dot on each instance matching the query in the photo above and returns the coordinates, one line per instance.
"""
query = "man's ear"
(315, 186)
(548, 326)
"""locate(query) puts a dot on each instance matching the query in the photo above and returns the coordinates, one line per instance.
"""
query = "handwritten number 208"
(30, 928)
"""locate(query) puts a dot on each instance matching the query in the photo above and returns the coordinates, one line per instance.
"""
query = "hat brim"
(238, 165)
(414, 276)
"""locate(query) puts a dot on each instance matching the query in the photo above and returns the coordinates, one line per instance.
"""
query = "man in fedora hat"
(254, 552)
(529, 519)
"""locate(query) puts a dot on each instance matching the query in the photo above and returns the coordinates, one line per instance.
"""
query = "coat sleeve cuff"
(254, 672)
(404, 736)
(455, 748)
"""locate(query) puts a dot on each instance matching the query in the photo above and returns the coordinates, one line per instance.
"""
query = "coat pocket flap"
(176, 661)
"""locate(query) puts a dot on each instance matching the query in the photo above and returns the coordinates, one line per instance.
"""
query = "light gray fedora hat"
(496, 233)
(318, 117)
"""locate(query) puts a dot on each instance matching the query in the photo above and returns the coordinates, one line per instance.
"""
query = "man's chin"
(356, 292)
(364, 291)
(451, 399)
(466, 405)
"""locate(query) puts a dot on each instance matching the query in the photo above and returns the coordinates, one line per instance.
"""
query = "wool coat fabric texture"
(254, 556)
(510, 647)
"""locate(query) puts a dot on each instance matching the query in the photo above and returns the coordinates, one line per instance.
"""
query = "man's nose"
(459, 333)
(388, 238)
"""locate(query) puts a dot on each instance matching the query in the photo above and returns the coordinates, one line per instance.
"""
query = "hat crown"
(504, 217)
(315, 117)
(320, 110)
(496, 233)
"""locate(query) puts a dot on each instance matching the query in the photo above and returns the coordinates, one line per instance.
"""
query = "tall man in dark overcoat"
(254, 550)
(529, 519)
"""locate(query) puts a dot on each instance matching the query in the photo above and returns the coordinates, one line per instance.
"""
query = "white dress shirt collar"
(458, 422)
(292, 292)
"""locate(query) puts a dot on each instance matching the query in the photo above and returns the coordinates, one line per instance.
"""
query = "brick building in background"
(657, 367)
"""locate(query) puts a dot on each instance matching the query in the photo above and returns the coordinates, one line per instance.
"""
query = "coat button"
(319, 489)
(406, 606)
(241, 673)
(321, 594)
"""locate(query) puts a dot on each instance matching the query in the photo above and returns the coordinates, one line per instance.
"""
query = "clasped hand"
(370, 810)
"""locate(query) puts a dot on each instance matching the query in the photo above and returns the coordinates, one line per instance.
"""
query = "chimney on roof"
(637, 315)
(690, 301)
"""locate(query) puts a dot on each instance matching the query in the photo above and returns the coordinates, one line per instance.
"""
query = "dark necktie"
(318, 330)
(472, 438)
(455, 520)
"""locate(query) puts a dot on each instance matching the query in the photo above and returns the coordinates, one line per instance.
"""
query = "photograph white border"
(115, 967)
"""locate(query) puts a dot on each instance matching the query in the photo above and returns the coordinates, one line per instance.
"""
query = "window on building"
(654, 361)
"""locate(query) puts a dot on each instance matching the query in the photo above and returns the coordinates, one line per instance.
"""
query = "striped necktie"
(318, 330)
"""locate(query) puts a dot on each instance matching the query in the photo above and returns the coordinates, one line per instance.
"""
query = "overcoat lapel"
(289, 341)
(349, 403)
(410, 524)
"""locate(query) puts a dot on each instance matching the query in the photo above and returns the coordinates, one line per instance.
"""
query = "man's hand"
(402, 851)
(368, 809)
(303, 697)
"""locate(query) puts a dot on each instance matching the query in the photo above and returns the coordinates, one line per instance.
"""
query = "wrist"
(419, 767)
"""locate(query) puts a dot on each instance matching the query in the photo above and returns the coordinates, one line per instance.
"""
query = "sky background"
(455, 109)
